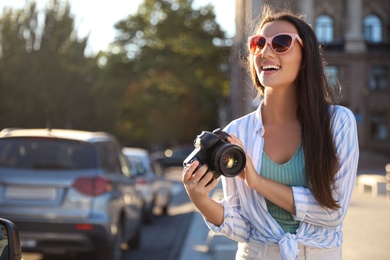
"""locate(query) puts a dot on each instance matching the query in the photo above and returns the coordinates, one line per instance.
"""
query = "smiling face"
(278, 71)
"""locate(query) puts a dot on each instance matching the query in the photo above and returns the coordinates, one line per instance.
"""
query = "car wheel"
(135, 242)
(147, 215)
(166, 206)
(164, 210)
(115, 252)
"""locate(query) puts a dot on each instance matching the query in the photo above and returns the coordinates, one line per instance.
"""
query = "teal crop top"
(291, 173)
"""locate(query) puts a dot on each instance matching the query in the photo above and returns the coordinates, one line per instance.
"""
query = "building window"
(379, 78)
(324, 28)
(372, 29)
(379, 127)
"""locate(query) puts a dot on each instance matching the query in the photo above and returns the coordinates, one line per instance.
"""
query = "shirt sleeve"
(347, 146)
(234, 226)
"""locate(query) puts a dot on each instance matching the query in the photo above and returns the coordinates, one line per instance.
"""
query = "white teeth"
(269, 67)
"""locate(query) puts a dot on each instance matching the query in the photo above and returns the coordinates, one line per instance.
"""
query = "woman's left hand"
(249, 174)
(276, 192)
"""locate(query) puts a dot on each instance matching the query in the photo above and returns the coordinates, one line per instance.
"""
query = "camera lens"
(228, 160)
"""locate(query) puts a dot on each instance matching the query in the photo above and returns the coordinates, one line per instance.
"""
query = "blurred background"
(165, 66)
(130, 68)
(155, 73)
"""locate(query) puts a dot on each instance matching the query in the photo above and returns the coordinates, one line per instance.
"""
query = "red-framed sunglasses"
(280, 43)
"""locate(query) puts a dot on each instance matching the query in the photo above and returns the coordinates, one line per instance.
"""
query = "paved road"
(367, 228)
(163, 238)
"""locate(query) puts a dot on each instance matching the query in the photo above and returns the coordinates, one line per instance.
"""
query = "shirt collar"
(258, 121)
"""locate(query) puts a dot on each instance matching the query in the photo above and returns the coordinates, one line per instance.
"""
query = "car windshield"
(136, 165)
(46, 153)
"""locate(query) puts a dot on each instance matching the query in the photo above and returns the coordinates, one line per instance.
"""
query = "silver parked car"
(69, 191)
(156, 190)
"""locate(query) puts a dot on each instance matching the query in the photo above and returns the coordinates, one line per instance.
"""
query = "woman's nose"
(267, 51)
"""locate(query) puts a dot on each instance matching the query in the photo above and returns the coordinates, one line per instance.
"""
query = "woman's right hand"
(198, 182)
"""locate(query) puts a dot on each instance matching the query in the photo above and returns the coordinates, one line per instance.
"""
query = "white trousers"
(255, 251)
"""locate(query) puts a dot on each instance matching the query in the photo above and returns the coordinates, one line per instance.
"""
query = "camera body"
(222, 157)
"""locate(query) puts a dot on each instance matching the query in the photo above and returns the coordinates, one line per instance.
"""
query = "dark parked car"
(69, 191)
(172, 157)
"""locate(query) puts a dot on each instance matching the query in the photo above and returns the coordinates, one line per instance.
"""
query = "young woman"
(302, 154)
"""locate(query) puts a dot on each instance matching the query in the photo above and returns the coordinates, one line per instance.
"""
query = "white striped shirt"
(245, 213)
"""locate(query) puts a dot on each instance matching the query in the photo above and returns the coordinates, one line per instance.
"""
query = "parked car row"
(156, 190)
(70, 191)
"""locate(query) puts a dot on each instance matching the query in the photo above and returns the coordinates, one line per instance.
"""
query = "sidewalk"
(203, 244)
(366, 226)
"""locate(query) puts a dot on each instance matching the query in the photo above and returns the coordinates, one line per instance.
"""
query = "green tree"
(166, 73)
(44, 75)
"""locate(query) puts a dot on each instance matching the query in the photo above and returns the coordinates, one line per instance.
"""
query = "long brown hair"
(314, 100)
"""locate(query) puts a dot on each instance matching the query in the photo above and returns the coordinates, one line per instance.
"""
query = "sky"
(97, 17)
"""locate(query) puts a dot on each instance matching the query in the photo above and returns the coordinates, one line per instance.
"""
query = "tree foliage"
(45, 78)
(163, 81)
(170, 64)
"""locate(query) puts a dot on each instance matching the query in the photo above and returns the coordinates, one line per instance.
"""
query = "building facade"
(355, 36)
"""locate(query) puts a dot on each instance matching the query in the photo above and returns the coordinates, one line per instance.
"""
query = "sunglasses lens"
(281, 43)
(257, 44)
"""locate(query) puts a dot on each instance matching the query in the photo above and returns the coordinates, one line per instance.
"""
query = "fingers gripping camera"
(222, 157)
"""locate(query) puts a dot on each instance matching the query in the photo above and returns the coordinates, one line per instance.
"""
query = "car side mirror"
(9, 241)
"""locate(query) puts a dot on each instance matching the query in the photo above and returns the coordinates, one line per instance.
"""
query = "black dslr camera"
(222, 157)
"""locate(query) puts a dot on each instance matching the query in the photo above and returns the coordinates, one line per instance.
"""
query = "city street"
(163, 238)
